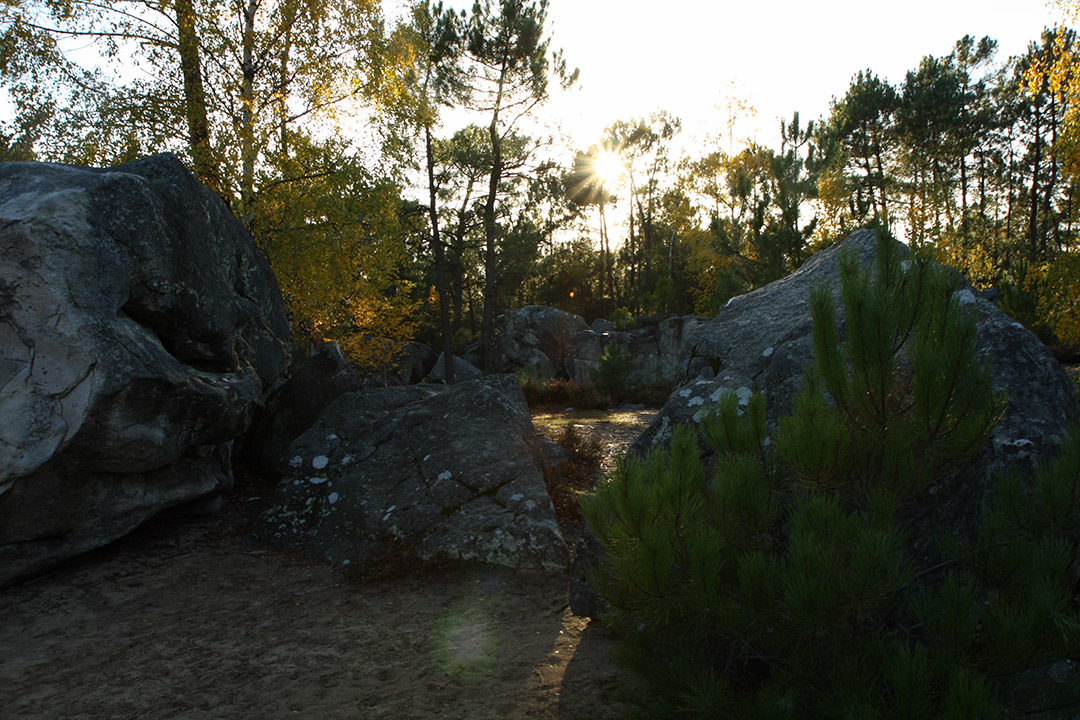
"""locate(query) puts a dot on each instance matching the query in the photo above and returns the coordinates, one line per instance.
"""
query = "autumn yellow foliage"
(1056, 287)
(337, 245)
(1062, 74)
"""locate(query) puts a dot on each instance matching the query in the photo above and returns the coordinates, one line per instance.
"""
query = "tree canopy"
(400, 179)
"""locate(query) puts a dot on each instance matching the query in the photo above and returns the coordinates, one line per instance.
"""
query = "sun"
(608, 168)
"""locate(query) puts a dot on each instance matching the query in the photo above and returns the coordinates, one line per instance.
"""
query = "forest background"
(404, 182)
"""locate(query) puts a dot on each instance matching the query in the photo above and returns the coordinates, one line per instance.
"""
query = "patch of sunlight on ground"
(625, 418)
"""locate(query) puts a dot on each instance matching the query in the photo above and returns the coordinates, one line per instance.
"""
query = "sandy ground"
(190, 618)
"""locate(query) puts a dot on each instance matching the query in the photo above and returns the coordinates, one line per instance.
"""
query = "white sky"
(687, 56)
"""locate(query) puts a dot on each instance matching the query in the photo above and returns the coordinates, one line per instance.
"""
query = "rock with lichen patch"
(427, 471)
(763, 340)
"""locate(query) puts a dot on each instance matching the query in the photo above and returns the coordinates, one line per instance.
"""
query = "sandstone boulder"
(538, 337)
(760, 342)
(463, 370)
(432, 472)
(602, 325)
(139, 328)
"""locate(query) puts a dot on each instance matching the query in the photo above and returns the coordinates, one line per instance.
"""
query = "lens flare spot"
(465, 644)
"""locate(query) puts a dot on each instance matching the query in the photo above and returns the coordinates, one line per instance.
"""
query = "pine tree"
(784, 583)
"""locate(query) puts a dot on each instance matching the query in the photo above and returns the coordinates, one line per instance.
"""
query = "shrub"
(585, 396)
(568, 481)
(786, 585)
(612, 377)
(621, 318)
(533, 385)
(559, 392)
(587, 450)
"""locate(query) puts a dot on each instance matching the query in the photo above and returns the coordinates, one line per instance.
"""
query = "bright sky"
(688, 56)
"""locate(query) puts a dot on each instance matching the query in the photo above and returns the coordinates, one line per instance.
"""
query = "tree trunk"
(440, 264)
(1012, 191)
(963, 195)
(206, 169)
(1051, 183)
(247, 114)
(605, 278)
(870, 184)
(634, 290)
(912, 218)
(646, 242)
(459, 250)
(491, 283)
(1036, 168)
(881, 180)
(982, 186)
(283, 83)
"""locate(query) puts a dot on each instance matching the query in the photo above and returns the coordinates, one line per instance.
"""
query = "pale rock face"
(139, 327)
(761, 342)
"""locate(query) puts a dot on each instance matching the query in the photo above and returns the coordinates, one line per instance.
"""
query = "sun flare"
(608, 167)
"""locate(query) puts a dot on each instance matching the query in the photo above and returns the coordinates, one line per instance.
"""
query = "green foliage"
(613, 375)
(659, 300)
(1019, 296)
(621, 318)
(908, 401)
(784, 583)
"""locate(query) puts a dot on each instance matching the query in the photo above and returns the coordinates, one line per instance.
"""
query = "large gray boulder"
(537, 337)
(762, 341)
(657, 351)
(428, 471)
(139, 328)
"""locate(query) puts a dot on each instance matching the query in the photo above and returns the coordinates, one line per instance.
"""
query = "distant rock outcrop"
(139, 327)
(762, 341)
(657, 350)
(432, 472)
(463, 370)
(538, 337)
